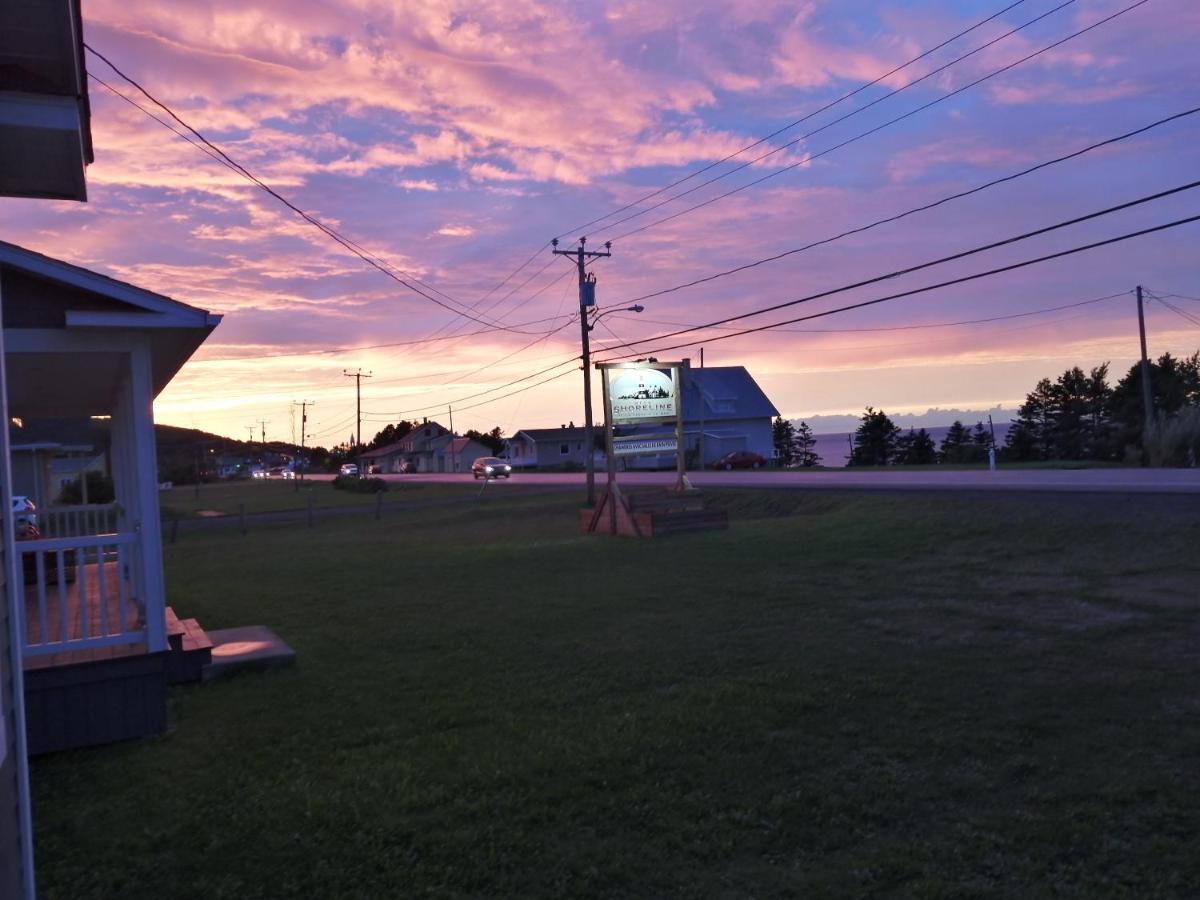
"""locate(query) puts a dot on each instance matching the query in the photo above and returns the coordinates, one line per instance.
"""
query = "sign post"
(643, 412)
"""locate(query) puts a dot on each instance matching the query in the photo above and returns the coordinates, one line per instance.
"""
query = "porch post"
(142, 466)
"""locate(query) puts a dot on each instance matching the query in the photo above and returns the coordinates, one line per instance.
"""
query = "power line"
(918, 209)
(345, 242)
(1020, 315)
(456, 401)
(810, 157)
(1183, 314)
(577, 228)
(921, 290)
(390, 344)
(936, 262)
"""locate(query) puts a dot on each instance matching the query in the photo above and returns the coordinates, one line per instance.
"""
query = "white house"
(91, 596)
(564, 447)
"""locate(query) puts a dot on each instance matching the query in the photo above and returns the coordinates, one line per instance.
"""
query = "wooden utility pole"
(304, 405)
(587, 300)
(1147, 394)
(358, 376)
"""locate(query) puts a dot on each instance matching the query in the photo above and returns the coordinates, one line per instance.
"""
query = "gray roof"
(553, 434)
(729, 392)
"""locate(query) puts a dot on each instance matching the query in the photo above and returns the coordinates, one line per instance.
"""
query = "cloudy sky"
(450, 141)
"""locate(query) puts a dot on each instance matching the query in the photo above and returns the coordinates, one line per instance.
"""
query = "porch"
(82, 602)
(92, 627)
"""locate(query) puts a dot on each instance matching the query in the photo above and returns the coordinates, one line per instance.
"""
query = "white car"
(24, 512)
(350, 470)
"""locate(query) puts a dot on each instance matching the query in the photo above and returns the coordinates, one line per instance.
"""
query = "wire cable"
(809, 158)
(927, 288)
(409, 282)
(576, 228)
(918, 209)
(1129, 204)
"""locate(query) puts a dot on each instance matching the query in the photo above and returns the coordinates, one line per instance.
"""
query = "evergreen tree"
(389, 435)
(981, 437)
(916, 449)
(783, 435)
(874, 440)
(1174, 384)
(493, 439)
(955, 444)
(804, 447)
(1031, 436)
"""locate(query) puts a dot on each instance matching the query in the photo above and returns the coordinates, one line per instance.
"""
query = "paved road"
(1139, 481)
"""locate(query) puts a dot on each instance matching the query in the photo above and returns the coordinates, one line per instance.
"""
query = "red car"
(740, 459)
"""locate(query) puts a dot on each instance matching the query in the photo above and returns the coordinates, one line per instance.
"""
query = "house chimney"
(687, 362)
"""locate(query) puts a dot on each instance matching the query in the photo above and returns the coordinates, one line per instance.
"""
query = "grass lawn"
(841, 696)
(225, 497)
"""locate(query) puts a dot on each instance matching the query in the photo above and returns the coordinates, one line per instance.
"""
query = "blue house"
(724, 410)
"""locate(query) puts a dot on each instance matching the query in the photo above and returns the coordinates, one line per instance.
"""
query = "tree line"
(1077, 416)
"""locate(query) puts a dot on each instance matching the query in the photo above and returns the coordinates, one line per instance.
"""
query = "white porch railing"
(79, 520)
(79, 593)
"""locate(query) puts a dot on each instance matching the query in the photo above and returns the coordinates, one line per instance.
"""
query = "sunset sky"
(453, 140)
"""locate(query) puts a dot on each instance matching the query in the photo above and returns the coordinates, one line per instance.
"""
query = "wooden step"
(190, 652)
(175, 630)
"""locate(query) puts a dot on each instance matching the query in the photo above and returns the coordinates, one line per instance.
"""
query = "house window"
(564, 449)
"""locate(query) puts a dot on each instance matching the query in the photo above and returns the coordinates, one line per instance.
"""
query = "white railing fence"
(80, 520)
(79, 592)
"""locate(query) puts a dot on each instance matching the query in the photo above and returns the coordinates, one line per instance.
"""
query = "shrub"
(1175, 441)
(99, 490)
(360, 485)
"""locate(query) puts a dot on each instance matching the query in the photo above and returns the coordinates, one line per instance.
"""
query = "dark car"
(740, 459)
(490, 467)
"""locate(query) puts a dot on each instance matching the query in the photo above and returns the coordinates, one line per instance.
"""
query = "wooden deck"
(77, 609)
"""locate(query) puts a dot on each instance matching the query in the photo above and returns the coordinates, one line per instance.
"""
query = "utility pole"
(264, 423)
(304, 405)
(250, 429)
(358, 376)
(1147, 394)
(587, 300)
(453, 460)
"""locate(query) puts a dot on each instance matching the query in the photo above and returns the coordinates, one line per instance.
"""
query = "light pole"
(588, 324)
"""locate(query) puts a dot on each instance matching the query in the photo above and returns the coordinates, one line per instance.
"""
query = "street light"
(591, 323)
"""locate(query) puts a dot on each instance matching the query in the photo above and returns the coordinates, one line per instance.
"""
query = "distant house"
(49, 454)
(548, 448)
(724, 410)
(457, 455)
(417, 451)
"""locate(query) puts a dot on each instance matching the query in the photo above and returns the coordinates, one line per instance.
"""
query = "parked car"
(490, 467)
(350, 470)
(740, 459)
(288, 473)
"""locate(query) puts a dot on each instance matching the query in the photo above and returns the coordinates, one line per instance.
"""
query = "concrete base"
(249, 648)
